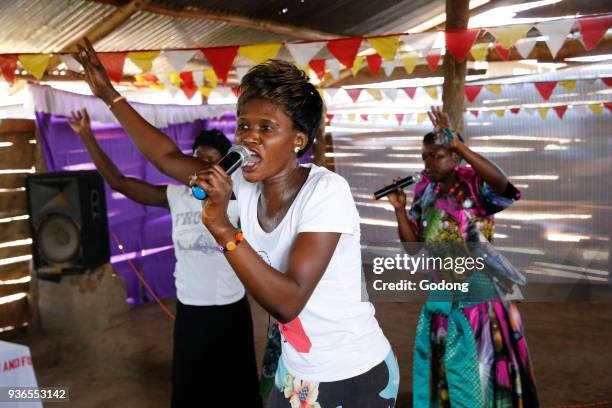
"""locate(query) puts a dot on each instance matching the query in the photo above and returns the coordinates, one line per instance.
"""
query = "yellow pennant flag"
(421, 118)
(569, 85)
(321, 93)
(479, 51)
(259, 53)
(509, 35)
(410, 62)
(143, 59)
(357, 64)
(211, 77)
(386, 116)
(432, 91)
(500, 113)
(386, 47)
(35, 64)
(205, 91)
(596, 108)
(351, 117)
(543, 112)
(376, 94)
(493, 88)
(175, 79)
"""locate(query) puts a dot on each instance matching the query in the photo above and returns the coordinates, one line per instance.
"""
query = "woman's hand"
(95, 74)
(397, 198)
(445, 135)
(438, 118)
(79, 122)
(218, 187)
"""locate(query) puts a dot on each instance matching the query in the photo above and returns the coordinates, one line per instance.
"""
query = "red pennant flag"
(433, 58)
(608, 106)
(515, 110)
(354, 93)
(8, 65)
(460, 41)
(374, 63)
(400, 118)
(607, 81)
(318, 66)
(188, 86)
(504, 53)
(472, 91)
(474, 113)
(329, 117)
(345, 50)
(113, 63)
(593, 29)
(236, 90)
(560, 110)
(364, 117)
(221, 60)
(545, 88)
(410, 92)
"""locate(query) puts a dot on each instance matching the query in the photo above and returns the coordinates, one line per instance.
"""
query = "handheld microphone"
(405, 182)
(237, 156)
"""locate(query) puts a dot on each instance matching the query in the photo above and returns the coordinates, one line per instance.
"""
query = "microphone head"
(245, 154)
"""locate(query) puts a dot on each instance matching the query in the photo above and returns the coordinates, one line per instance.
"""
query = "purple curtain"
(145, 232)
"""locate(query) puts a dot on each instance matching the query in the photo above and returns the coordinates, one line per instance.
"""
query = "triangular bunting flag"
(8, 65)
(329, 117)
(236, 91)
(474, 113)
(318, 66)
(334, 67)
(178, 58)
(374, 62)
(198, 78)
(525, 46)
(459, 42)
(472, 91)
(580, 110)
(411, 91)
(608, 106)
(607, 81)
(376, 94)
(507, 36)
(143, 59)
(479, 51)
(357, 64)
(500, 112)
(515, 110)
(432, 91)
(568, 85)
(493, 88)
(545, 88)
(240, 72)
(36, 64)
(71, 63)
(188, 85)
(211, 77)
(433, 59)
(409, 62)
(354, 93)
(560, 110)
(543, 112)
(259, 53)
(593, 29)
(386, 47)
(504, 53)
(421, 118)
(331, 93)
(351, 117)
(388, 67)
(556, 32)
(364, 118)
(205, 91)
(221, 60)
(421, 42)
(400, 118)
(345, 50)
(168, 86)
(386, 116)
(390, 93)
(302, 53)
(596, 108)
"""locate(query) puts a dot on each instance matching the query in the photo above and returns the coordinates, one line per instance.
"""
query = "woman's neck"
(282, 187)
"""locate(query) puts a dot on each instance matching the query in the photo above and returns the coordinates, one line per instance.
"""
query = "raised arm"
(158, 148)
(134, 189)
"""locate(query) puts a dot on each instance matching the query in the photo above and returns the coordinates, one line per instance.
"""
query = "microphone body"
(405, 182)
(236, 157)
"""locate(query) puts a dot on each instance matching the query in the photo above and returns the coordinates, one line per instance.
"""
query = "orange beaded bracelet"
(231, 245)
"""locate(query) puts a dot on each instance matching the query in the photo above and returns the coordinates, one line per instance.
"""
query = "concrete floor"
(128, 363)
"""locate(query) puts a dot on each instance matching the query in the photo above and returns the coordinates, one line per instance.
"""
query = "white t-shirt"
(203, 275)
(335, 336)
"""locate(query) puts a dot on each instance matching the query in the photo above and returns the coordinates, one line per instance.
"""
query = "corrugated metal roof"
(46, 26)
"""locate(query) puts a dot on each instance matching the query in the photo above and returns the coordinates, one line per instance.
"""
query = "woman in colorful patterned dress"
(467, 353)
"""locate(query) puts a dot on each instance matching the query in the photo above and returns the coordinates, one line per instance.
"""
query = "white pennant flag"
(241, 71)
(390, 93)
(304, 52)
(388, 67)
(178, 58)
(581, 110)
(331, 92)
(198, 78)
(422, 42)
(334, 67)
(525, 46)
(557, 32)
(71, 63)
(168, 86)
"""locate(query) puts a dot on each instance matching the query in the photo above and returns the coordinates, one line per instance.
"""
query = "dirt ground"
(128, 363)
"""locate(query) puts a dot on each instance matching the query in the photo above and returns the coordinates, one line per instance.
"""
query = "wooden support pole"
(457, 16)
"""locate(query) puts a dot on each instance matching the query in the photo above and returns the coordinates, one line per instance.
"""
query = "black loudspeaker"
(68, 221)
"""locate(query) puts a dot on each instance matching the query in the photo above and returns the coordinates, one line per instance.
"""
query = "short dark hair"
(283, 83)
(213, 138)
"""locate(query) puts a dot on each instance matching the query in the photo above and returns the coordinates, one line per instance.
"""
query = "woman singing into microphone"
(298, 253)
(467, 353)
